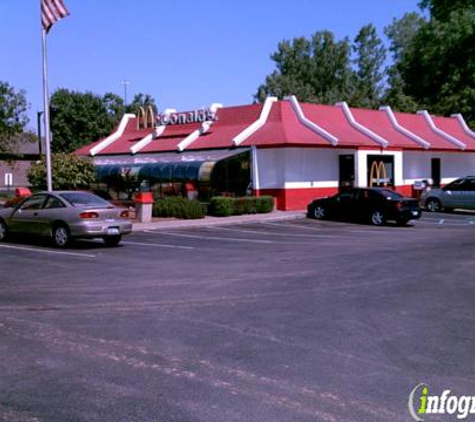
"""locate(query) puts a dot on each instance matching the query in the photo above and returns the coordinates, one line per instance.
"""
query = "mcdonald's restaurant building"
(293, 151)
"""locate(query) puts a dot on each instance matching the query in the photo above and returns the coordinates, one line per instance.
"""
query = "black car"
(373, 205)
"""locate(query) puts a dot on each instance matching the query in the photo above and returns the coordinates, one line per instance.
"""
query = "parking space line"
(342, 229)
(269, 233)
(191, 236)
(159, 245)
(50, 251)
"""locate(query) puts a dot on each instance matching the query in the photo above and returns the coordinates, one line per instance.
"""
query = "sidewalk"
(173, 223)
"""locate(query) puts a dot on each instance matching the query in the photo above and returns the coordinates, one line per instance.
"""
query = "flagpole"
(49, 180)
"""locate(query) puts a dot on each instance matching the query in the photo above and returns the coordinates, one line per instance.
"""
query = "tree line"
(431, 65)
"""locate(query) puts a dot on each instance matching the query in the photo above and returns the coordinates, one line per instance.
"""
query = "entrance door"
(347, 171)
(435, 172)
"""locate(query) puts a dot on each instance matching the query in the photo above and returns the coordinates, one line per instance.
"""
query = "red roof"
(378, 121)
(452, 126)
(231, 122)
(418, 125)
(283, 127)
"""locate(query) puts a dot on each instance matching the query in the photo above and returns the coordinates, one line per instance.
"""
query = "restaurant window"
(380, 170)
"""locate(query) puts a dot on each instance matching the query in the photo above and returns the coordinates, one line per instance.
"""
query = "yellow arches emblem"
(378, 174)
(145, 117)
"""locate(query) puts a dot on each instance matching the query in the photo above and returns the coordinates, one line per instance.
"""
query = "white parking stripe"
(343, 229)
(22, 248)
(211, 237)
(313, 236)
(159, 245)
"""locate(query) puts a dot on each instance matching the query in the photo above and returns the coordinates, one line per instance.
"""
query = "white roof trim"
(254, 127)
(309, 124)
(464, 125)
(148, 139)
(359, 127)
(113, 137)
(403, 130)
(440, 132)
(193, 136)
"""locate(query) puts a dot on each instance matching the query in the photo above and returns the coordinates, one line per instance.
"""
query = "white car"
(66, 215)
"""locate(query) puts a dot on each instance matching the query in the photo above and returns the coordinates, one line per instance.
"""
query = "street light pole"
(125, 83)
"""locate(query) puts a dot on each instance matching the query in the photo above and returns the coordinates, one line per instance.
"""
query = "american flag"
(51, 12)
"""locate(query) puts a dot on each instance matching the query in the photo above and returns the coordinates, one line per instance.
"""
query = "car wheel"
(320, 212)
(377, 218)
(112, 240)
(3, 230)
(433, 205)
(61, 236)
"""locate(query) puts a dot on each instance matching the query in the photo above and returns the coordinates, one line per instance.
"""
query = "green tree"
(369, 74)
(316, 70)
(13, 119)
(400, 33)
(441, 9)
(438, 67)
(141, 100)
(80, 118)
(69, 171)
(114, 105)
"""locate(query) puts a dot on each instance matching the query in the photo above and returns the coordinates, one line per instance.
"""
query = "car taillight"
(89, 214)
(124, 214)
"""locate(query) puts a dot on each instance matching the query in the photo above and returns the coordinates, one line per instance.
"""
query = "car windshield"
(79, 199)
(390, 194)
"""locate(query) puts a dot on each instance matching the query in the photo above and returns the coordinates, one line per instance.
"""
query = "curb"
(216, 221)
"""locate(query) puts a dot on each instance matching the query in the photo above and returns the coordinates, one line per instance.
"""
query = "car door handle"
(35, 214)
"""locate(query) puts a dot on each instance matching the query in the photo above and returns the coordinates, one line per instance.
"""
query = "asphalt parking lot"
(297, 320)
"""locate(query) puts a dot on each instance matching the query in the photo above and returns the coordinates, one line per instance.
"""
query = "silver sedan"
(66, 215)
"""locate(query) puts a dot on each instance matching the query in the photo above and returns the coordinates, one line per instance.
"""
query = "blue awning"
(165, 167)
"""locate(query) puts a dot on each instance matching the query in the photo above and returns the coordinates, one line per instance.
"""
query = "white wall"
(299, 167)
(417, 165)
(318, 167)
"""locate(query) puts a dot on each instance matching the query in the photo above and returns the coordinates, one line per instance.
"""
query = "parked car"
(66, 215)
(373, 205)
(458, 194)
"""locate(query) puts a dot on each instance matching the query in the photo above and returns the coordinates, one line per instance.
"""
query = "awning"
(165, 167)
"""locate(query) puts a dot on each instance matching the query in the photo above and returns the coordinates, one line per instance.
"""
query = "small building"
(15, 164)
(293, 151)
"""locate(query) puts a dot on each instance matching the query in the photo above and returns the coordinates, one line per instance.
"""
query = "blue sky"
(186, 53)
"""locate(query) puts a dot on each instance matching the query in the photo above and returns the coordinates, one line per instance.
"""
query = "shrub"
(241, 206)
(265, 204)
(178, 207)
(221, 206)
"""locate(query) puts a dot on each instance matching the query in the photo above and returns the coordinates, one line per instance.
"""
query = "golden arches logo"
(145, 117)
(149, 117)
(378, 174)
(141, 118)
